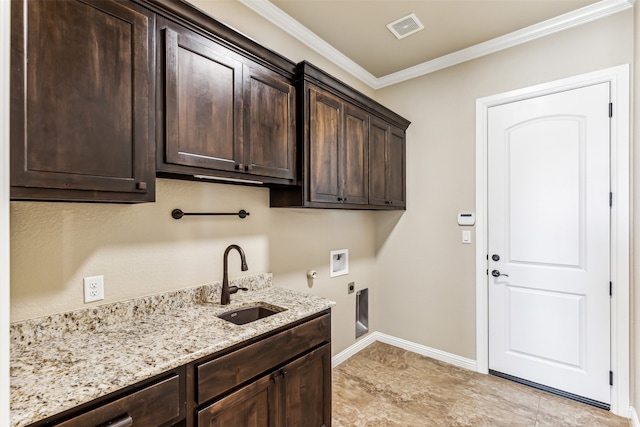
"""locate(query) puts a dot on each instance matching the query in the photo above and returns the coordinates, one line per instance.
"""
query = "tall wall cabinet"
(82, 94)
(338, 149)
(352, 149)
(387, 160)
(223, 114)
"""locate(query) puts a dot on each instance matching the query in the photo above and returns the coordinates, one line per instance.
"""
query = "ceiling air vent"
(406, 26)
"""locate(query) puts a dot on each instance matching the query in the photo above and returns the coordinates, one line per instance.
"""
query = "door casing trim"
(5, 47)
(618, 77)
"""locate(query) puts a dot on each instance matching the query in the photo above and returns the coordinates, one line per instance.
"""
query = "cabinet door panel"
(252, 406)
(269, 125)
(308, 390)
(203, 90)
(378, 143)
(80, 103)
(324, 151)
(396, 164)
(355, 143)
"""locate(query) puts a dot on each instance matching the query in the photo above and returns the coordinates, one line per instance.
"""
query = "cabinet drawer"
(256, 402)
(153, 406)
(224, 373)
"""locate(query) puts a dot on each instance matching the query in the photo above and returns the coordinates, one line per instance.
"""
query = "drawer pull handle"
(124, 421)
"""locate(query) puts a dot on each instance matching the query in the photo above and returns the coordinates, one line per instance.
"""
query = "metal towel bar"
(177, 213)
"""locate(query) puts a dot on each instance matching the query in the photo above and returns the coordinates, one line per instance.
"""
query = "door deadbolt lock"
(496, 273)
(495, 257)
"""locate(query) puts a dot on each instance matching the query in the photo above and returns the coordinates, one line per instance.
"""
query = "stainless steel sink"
(244, 315)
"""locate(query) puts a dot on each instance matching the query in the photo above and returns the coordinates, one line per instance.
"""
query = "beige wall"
(141, 250)
(426, 279)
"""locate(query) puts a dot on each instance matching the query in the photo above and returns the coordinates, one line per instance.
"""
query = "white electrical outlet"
(93, 288)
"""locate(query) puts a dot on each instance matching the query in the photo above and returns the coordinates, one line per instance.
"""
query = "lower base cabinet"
(307, 390)
(296, 395)
(255, 405)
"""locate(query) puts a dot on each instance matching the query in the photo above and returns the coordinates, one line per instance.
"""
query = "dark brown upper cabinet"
(387, 162)
(338, 147)
(81, 90)
(202, 102)
(270, 124)
(223, 115)
(352, 149)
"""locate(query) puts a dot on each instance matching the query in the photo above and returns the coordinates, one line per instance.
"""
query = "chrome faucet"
(226, 289)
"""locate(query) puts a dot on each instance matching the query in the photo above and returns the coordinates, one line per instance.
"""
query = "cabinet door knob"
(141, 185)
(339, 199)
(239, 166)
(248, 168)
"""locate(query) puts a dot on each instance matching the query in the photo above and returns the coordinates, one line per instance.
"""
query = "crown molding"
(274, 14)
(578, 17)
(581, 16)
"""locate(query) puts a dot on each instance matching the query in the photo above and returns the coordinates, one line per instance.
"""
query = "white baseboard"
(423, 350)
(350, 351)
(635, 422)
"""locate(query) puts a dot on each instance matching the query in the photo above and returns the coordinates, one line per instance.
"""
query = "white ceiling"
(353, 33)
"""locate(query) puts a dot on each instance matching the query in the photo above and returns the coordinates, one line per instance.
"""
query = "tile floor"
(384, 385)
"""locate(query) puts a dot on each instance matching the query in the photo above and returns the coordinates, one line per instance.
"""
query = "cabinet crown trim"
(306, 71)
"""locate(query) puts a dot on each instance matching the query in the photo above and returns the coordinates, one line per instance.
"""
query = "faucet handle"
(234, 289)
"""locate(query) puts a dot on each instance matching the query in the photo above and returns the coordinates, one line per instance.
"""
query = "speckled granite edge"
(91, 319)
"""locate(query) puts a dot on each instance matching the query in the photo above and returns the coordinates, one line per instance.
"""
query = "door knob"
(496, 273)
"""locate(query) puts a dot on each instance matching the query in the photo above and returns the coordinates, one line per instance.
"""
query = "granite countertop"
(61, 361)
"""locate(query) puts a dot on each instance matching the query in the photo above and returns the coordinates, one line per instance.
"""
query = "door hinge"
(487, 271)
(611, 109)
(610, 377)
(610, 199)
(610, 289)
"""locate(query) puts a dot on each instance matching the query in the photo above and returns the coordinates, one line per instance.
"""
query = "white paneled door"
(549, 240)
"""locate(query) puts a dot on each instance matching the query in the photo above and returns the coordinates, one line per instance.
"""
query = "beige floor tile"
(480, 410)
(355, 406)
(384, 385)
(557, 411)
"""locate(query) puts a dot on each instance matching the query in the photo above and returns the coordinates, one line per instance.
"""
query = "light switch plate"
(466, 236)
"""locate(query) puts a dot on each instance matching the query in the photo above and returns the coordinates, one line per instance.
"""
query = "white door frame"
(5, 27)
(618, 77)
